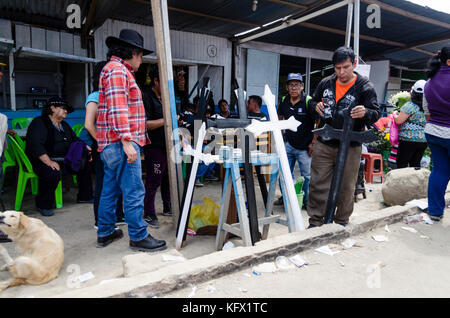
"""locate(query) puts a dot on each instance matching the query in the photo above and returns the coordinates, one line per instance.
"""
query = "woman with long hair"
(437, 130)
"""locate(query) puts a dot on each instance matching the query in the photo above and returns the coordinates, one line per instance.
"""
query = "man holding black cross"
(335, 93)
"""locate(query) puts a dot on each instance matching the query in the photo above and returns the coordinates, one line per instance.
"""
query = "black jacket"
(43, 138)
(361, 93)
(153, 111)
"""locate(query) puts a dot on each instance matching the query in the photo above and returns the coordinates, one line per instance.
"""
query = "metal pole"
(291, 22)
(308, 76)
(5, 98)
(12, 81)
(348, 32)
(86, 79)
(162, 39)
(356, 38)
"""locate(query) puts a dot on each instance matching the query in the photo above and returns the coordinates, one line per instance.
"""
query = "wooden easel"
(233, 183)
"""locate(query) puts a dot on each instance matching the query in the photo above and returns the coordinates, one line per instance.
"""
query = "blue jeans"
(205, 170)
(440, 175)
(304, 162)
(126, 178)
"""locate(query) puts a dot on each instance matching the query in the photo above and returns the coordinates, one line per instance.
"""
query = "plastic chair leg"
(34, 185)
(21, 185)
(58, 195)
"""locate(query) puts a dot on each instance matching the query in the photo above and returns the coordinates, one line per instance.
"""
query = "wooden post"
(162, 38)
(356, 24)
(12, 81)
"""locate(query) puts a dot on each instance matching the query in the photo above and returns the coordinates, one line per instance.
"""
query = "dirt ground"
(74, 223)
(407, 265)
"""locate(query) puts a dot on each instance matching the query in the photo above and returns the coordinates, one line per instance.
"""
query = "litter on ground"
(380, 238)
(326, 250)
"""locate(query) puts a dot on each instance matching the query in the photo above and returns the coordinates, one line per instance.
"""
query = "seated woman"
(48, 141)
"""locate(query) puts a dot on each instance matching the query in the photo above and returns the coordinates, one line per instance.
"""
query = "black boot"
(149, 244)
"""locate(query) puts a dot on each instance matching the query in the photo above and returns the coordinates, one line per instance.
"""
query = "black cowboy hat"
(129, 38)
(58, 102)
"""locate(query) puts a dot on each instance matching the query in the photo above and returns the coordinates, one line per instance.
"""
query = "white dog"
(41, 250)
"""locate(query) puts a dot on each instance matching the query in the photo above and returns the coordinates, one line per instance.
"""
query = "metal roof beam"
(291, 4)
(416, 45)
(407, 13)
(291, 22)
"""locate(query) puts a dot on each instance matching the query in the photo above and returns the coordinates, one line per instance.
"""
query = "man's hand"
(310, 149)
(129, 151)
(358, 112)
(11, 132)
(319, 108)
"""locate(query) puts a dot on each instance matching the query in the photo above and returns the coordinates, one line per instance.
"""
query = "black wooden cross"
(345, 136)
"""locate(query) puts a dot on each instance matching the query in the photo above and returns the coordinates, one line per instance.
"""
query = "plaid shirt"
(121, 113)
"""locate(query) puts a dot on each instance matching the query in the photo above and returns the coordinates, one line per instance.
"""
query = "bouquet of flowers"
(399, 99)
(382, 144)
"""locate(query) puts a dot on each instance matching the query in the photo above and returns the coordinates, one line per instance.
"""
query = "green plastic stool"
(300, 199)
(26, 173)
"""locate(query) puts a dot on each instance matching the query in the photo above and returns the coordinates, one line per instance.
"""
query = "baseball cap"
(419, 86)
(294, 77)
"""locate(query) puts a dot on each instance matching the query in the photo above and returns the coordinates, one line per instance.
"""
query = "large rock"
(403, 185)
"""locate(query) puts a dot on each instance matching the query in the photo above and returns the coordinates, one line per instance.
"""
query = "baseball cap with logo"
(294, 77)
(419, 86)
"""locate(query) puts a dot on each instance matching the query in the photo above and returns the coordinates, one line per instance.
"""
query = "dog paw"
(4, 285)
(4, 268)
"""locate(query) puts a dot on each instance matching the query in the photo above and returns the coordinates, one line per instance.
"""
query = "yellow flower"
(387, 136)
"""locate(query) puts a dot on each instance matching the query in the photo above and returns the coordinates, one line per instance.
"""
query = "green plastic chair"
(20, 142)
(9, 160)
(77, 128)
(26, 173)
(21, 123)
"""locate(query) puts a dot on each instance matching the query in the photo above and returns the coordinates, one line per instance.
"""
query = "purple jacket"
(437, 93)
(74, 156)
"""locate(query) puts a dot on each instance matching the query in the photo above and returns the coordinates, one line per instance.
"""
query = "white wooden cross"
(198, 156)
(276, 126)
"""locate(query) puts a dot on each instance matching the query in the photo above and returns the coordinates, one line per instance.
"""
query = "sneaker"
(105, 241)
(46, 212)
(149, 244)
(311, 226)
(436, 218)
(152, 222)
(279, 201)
(167, 213)
(198, 183)
(212, 178)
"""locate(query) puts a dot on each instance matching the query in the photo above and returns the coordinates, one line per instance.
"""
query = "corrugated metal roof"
(226, 18)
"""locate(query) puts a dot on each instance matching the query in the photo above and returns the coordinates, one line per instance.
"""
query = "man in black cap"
(121, 132)
(298, 143)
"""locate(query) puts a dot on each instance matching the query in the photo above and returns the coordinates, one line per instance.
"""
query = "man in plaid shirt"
(121, 133)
